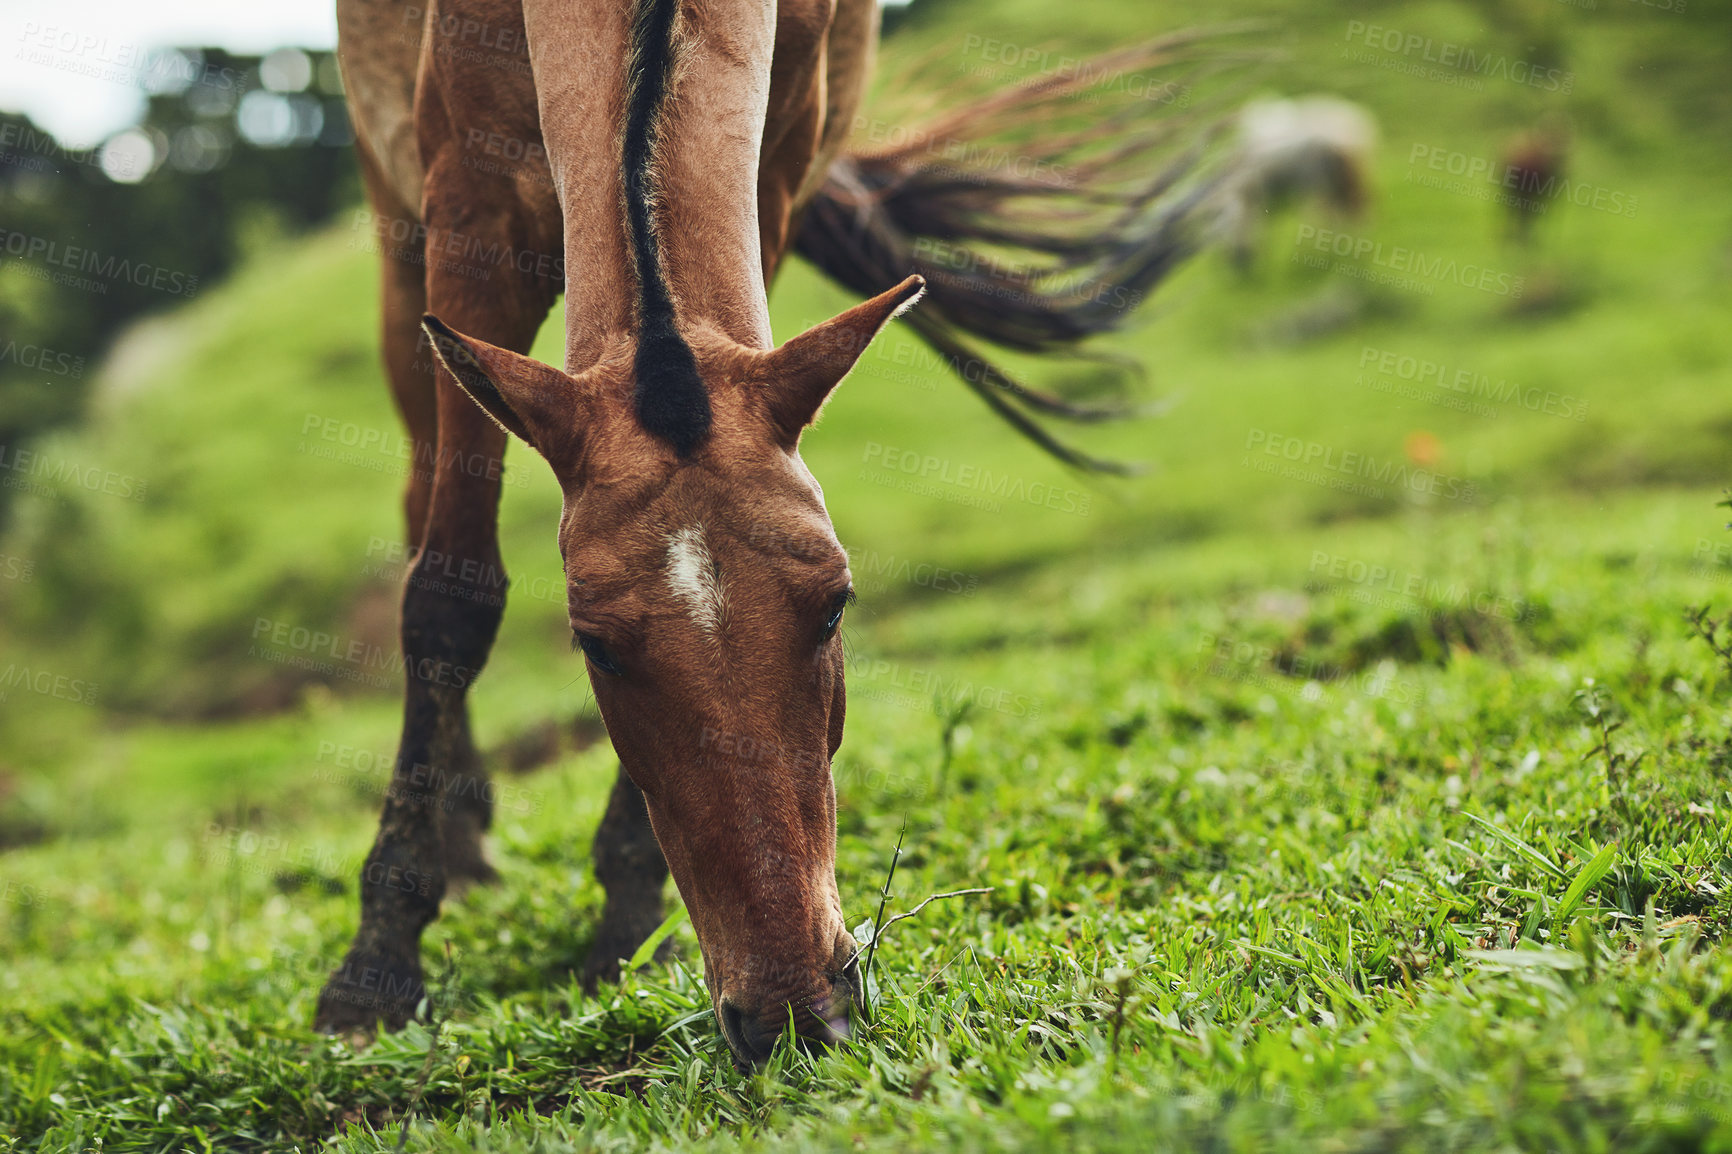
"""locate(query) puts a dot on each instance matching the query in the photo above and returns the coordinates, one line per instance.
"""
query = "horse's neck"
(706, 165)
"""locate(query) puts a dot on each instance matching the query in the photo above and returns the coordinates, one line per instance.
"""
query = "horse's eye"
(597, 653)
(835, 618)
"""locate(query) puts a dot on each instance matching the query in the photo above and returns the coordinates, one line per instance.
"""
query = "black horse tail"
(1039, 216)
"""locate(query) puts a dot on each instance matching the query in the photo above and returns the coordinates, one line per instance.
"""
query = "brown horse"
(654, 160)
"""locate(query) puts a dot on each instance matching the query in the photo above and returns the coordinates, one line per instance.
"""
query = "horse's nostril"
(748, 1039)
(821, 1021)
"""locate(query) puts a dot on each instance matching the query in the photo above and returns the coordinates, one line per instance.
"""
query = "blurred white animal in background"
(1287, 151)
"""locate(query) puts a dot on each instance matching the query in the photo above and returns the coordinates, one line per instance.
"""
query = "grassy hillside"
(1602, 374)
(1303, 817)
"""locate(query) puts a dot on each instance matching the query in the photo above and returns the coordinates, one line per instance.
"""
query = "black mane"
(671, 400)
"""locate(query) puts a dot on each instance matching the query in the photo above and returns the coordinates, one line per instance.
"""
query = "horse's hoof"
(612, 945)
(357, 1038)
(367, 991)
(596, 970)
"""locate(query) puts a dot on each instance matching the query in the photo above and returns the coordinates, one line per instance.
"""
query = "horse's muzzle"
(819, 1022)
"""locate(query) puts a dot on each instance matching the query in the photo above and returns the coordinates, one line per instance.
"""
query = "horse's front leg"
(454, 596)
(434, 814)
(445, 642)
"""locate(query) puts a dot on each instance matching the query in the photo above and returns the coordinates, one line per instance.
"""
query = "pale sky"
(72, 64)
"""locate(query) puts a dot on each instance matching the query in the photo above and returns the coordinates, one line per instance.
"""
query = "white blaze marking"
(693, 577)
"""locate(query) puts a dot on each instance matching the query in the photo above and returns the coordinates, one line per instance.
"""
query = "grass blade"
(1586, 878)
(650, 944)
(1520, 847)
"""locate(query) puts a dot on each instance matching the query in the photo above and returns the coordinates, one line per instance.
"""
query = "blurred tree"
(92, 239)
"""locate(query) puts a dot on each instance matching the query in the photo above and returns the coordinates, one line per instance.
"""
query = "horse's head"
(705, 591)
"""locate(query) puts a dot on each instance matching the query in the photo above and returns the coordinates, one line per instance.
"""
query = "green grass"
(1309, 889)
(1280, 857)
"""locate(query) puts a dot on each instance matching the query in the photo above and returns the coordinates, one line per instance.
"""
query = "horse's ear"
(537, 403)
(799, 376)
